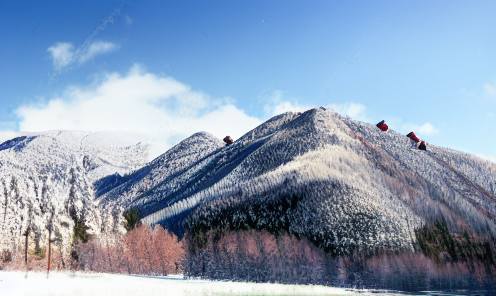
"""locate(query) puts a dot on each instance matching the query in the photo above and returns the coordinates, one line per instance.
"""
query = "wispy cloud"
(63, 53)
(128, 19)
(353, 110)
(109, 19)
(6, 125)
(7, 130)
(359, 112)
(490, 90)
(160, 109)
(487, 157)
(96, 48)
(286, 106)
(428, 129)
(425, 130)
(8, 135)
(276, 104)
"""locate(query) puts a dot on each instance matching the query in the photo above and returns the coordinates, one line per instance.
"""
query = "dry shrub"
(36, 261)
(252, 255)
(5, 258)
(153, 252)
(260, 256)
(415, 271)
(140, 251)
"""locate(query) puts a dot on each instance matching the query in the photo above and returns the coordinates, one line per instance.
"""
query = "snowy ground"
(16, 283)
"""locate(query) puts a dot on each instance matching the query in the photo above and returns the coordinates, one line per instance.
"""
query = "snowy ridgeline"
(142, 181)
(344, 184)
(43, 176)
(355, 186)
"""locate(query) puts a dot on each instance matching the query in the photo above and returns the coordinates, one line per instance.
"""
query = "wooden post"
(26, 234)
(49, 247)
(50, 224)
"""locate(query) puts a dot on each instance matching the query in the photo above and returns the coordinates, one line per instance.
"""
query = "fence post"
(26, 234)
(49, 247)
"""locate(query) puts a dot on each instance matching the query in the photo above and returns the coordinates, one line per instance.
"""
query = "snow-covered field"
(76, 284)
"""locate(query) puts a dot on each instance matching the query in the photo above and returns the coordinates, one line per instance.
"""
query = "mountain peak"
(345, 185)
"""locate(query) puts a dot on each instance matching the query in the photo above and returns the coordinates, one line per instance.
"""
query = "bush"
(132, 219)
(40, 252)
(80, 228)
(6, 256)
(441, 245)
(257, 256)
(140, 251)
(260, 256)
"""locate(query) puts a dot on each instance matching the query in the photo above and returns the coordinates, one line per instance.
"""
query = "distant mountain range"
(345, 185)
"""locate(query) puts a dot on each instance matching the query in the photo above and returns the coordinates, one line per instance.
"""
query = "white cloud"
(427, 129)
(161, 109)
(487, 157)
(8, 135)
(353, 110)
(275, 104)
(491, 115)
(96, 48)
(128, 20)
(63, 53)
(7, 125)
(490, 90)
(7, 130)
(286, 106)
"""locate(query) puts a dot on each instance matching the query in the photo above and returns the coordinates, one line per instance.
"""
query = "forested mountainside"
(314, 181)
(46, 181)
(118, 195)
(344, 184)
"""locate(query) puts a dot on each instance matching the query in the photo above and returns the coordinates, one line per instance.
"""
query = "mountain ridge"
(45, 176)
(344, 184)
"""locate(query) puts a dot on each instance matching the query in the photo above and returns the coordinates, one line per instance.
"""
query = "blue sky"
(166, 69)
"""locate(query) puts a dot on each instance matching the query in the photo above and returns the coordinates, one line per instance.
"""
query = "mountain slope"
(47, 179)
(143, 183)
(345, 185)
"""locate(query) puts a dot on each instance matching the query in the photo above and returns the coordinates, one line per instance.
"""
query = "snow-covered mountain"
(43, 176)
(121, 193)
(344, 184)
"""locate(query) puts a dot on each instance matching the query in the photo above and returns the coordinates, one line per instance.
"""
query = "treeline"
(140, 251)
(441, 245)
(259, 256)
(256, 256)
